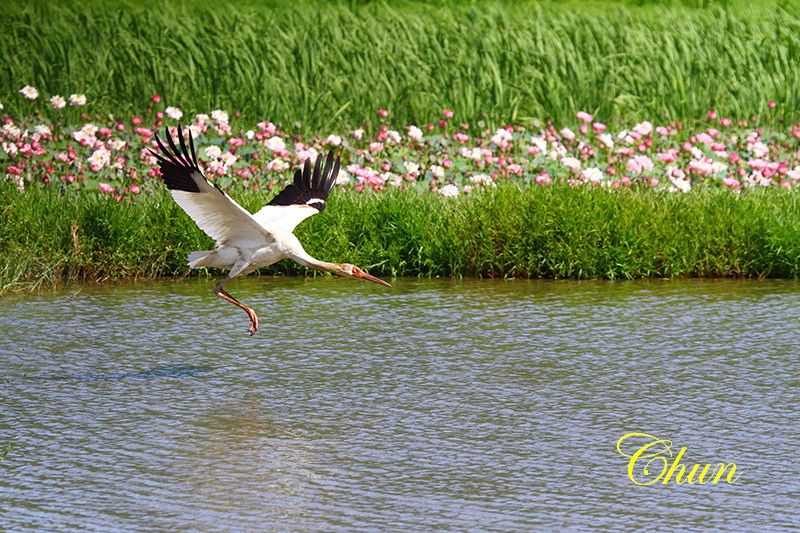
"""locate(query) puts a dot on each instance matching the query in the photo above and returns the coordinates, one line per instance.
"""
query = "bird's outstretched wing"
(304, 197)
(215, 212)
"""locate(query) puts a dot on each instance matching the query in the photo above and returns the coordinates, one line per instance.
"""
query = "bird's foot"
(253, 324)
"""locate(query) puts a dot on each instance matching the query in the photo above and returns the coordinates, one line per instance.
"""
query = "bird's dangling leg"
(219, 291)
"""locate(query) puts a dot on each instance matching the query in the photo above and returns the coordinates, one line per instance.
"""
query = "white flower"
(58, 102)
(571, 162)
(343, 178)
(483, 179)
(759, 149)
(1, 105)
(277, 165)
(43, 129)
(194, 130)
(414, 133)
(411, 167)
(85, 135)
(275, 143)
(77, 99)
(643, 128)
(173, 112)
(558, 150)
(392, 137)
(540, 143)
(13, 132)
(334, 140)
(220, 116)
(31, 93)
(10, 149)
(606, 139)
(682, 185)
(593, 174)
(395, 180)
(437, 171)
(449, 190)
(249, 135)
(202, 118)
(359, 133)
(117, 144)
(228, 159)
(308, 153)
(502, 137)
(213, 151)
(100, 157)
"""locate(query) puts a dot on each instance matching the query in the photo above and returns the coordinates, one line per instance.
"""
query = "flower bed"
(112, 156)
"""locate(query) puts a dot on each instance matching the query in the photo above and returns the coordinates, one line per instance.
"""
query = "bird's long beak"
(364, 275)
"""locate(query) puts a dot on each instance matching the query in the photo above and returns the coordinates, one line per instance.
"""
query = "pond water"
(436, 405)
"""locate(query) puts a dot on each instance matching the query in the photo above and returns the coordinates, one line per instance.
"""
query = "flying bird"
(244, 241)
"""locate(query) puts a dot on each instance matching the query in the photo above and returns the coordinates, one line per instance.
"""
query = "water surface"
(436, 405)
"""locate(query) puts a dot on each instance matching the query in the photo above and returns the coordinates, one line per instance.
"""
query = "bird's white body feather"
(247, 242)
(283, 217)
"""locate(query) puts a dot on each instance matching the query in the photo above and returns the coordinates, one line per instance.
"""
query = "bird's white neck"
(309, 262)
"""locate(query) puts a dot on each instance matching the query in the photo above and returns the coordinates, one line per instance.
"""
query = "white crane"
(246, 242)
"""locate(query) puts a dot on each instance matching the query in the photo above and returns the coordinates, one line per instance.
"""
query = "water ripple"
(449, 405)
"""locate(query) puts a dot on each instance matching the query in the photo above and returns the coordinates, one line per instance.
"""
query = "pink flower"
(543, 179)
(568, 134)
(634, 166)
(598, 127)
(135, 189)
(725, 122)
(584, 116)
(463, 137)
(447, 114)
(712, 115)
(730, 181)
(105, 187)
(670, 156)
(155, 98)
(771, 104)
(383, 113)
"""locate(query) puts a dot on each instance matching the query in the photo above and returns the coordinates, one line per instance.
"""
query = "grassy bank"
(333, 64)
(550, 232)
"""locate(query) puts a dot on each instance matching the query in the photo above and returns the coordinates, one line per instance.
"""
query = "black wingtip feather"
(176, 165)
(307, 186)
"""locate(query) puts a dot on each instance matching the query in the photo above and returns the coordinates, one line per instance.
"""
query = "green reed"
(323, 66)
(47, 236)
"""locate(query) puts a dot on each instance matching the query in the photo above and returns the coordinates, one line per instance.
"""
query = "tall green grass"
(325, 65)
(548, 232)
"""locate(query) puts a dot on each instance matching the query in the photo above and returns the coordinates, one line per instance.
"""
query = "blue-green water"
(435, 405)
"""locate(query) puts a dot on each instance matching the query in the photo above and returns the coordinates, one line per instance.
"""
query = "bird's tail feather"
(201, 259)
